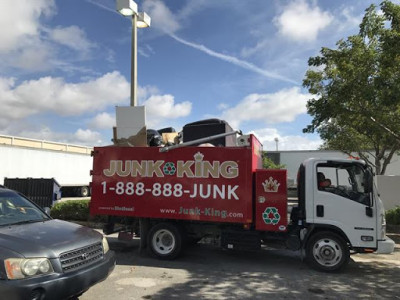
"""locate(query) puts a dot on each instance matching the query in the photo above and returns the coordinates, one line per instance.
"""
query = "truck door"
(343, 198)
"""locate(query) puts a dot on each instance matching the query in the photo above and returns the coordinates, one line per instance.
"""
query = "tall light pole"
(141, 20)
(276, 142)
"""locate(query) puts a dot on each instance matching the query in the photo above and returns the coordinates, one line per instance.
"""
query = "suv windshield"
(16, 209)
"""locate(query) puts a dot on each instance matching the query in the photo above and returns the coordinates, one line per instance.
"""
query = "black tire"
(85, 191)
(164, 240)
(327, 251)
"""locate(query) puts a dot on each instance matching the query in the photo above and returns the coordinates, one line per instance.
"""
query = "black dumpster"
(42, 191)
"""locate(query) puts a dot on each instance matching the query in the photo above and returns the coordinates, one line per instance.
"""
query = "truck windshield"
(16, 209)
(346, 180)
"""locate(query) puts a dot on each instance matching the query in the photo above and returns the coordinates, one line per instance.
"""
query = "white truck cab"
(341, 211)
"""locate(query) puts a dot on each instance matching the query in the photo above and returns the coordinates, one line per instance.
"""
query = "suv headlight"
(105, 245)
(19, 268)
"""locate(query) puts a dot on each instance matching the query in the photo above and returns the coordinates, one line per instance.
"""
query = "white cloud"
(33, 58)
(160, 109)
(163, 107)
(285, 142)
(146, 91)
(165, 21)
(233, 60)
(54, 95)
(301, 22)
(19, 21)
(222, 106)
(282, 106)
(161, 17)
(29, 45)
(103, 121)
(351, 20)
(191, 8)
(348, 21)
(12, 107)
(87, 136)
(72, 37)
(261, 45)
(102, 6)
(71, 68)
(22, 45)
(36, 55)
(49, 94)
(146, 51)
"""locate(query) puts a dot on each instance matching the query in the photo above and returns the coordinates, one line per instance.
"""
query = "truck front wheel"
(164, 240)
(327, 251)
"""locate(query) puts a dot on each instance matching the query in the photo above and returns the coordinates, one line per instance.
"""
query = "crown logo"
(198, 156)
(271, 185)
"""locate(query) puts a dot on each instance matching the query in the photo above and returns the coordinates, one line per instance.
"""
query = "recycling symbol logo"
(169, 168)
(271, 216)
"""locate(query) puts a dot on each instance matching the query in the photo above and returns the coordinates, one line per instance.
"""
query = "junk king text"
(204, 191)
(197, 168)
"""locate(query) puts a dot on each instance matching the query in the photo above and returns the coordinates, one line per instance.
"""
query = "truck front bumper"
(385, 246)
(56, 285)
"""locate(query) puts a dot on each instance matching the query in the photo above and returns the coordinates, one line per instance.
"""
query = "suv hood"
(46, 239)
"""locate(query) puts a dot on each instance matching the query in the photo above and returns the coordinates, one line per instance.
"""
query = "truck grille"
(81, 257)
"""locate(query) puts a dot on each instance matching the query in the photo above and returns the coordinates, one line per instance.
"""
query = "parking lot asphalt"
(208, 272)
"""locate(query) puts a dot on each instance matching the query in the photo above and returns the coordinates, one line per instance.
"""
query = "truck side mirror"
(368, 181)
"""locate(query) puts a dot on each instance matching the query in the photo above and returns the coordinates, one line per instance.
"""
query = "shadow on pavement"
(274, 274)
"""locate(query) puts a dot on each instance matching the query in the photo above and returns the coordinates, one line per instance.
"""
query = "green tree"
(268, 163)
(356, 89)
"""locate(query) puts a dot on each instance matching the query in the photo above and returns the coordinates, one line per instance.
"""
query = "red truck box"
(190, 183)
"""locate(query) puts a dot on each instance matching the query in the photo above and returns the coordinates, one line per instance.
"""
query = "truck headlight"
(105, 245)
(19, 268)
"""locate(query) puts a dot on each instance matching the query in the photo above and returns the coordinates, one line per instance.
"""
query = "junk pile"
(195, 134)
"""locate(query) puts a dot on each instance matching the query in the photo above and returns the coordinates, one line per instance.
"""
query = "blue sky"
(65, 65)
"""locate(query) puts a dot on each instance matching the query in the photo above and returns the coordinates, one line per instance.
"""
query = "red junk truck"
(182, 193)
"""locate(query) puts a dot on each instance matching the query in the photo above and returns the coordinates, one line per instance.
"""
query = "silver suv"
(42, 258)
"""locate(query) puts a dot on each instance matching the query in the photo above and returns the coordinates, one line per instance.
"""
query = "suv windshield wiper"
(27, 222)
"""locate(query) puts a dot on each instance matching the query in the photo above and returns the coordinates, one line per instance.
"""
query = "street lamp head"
(143, 20)
(127, 7)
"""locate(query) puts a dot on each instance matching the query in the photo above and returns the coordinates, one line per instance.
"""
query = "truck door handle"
(320, 211)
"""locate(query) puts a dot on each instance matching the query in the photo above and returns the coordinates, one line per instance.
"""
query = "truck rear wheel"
(84, 191)
(327, 251)
(164, 240)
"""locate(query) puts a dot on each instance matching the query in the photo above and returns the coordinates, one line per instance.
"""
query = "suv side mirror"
(47, 210)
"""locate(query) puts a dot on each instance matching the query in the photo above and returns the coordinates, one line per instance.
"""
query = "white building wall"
(393, 168)
(389, 190)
